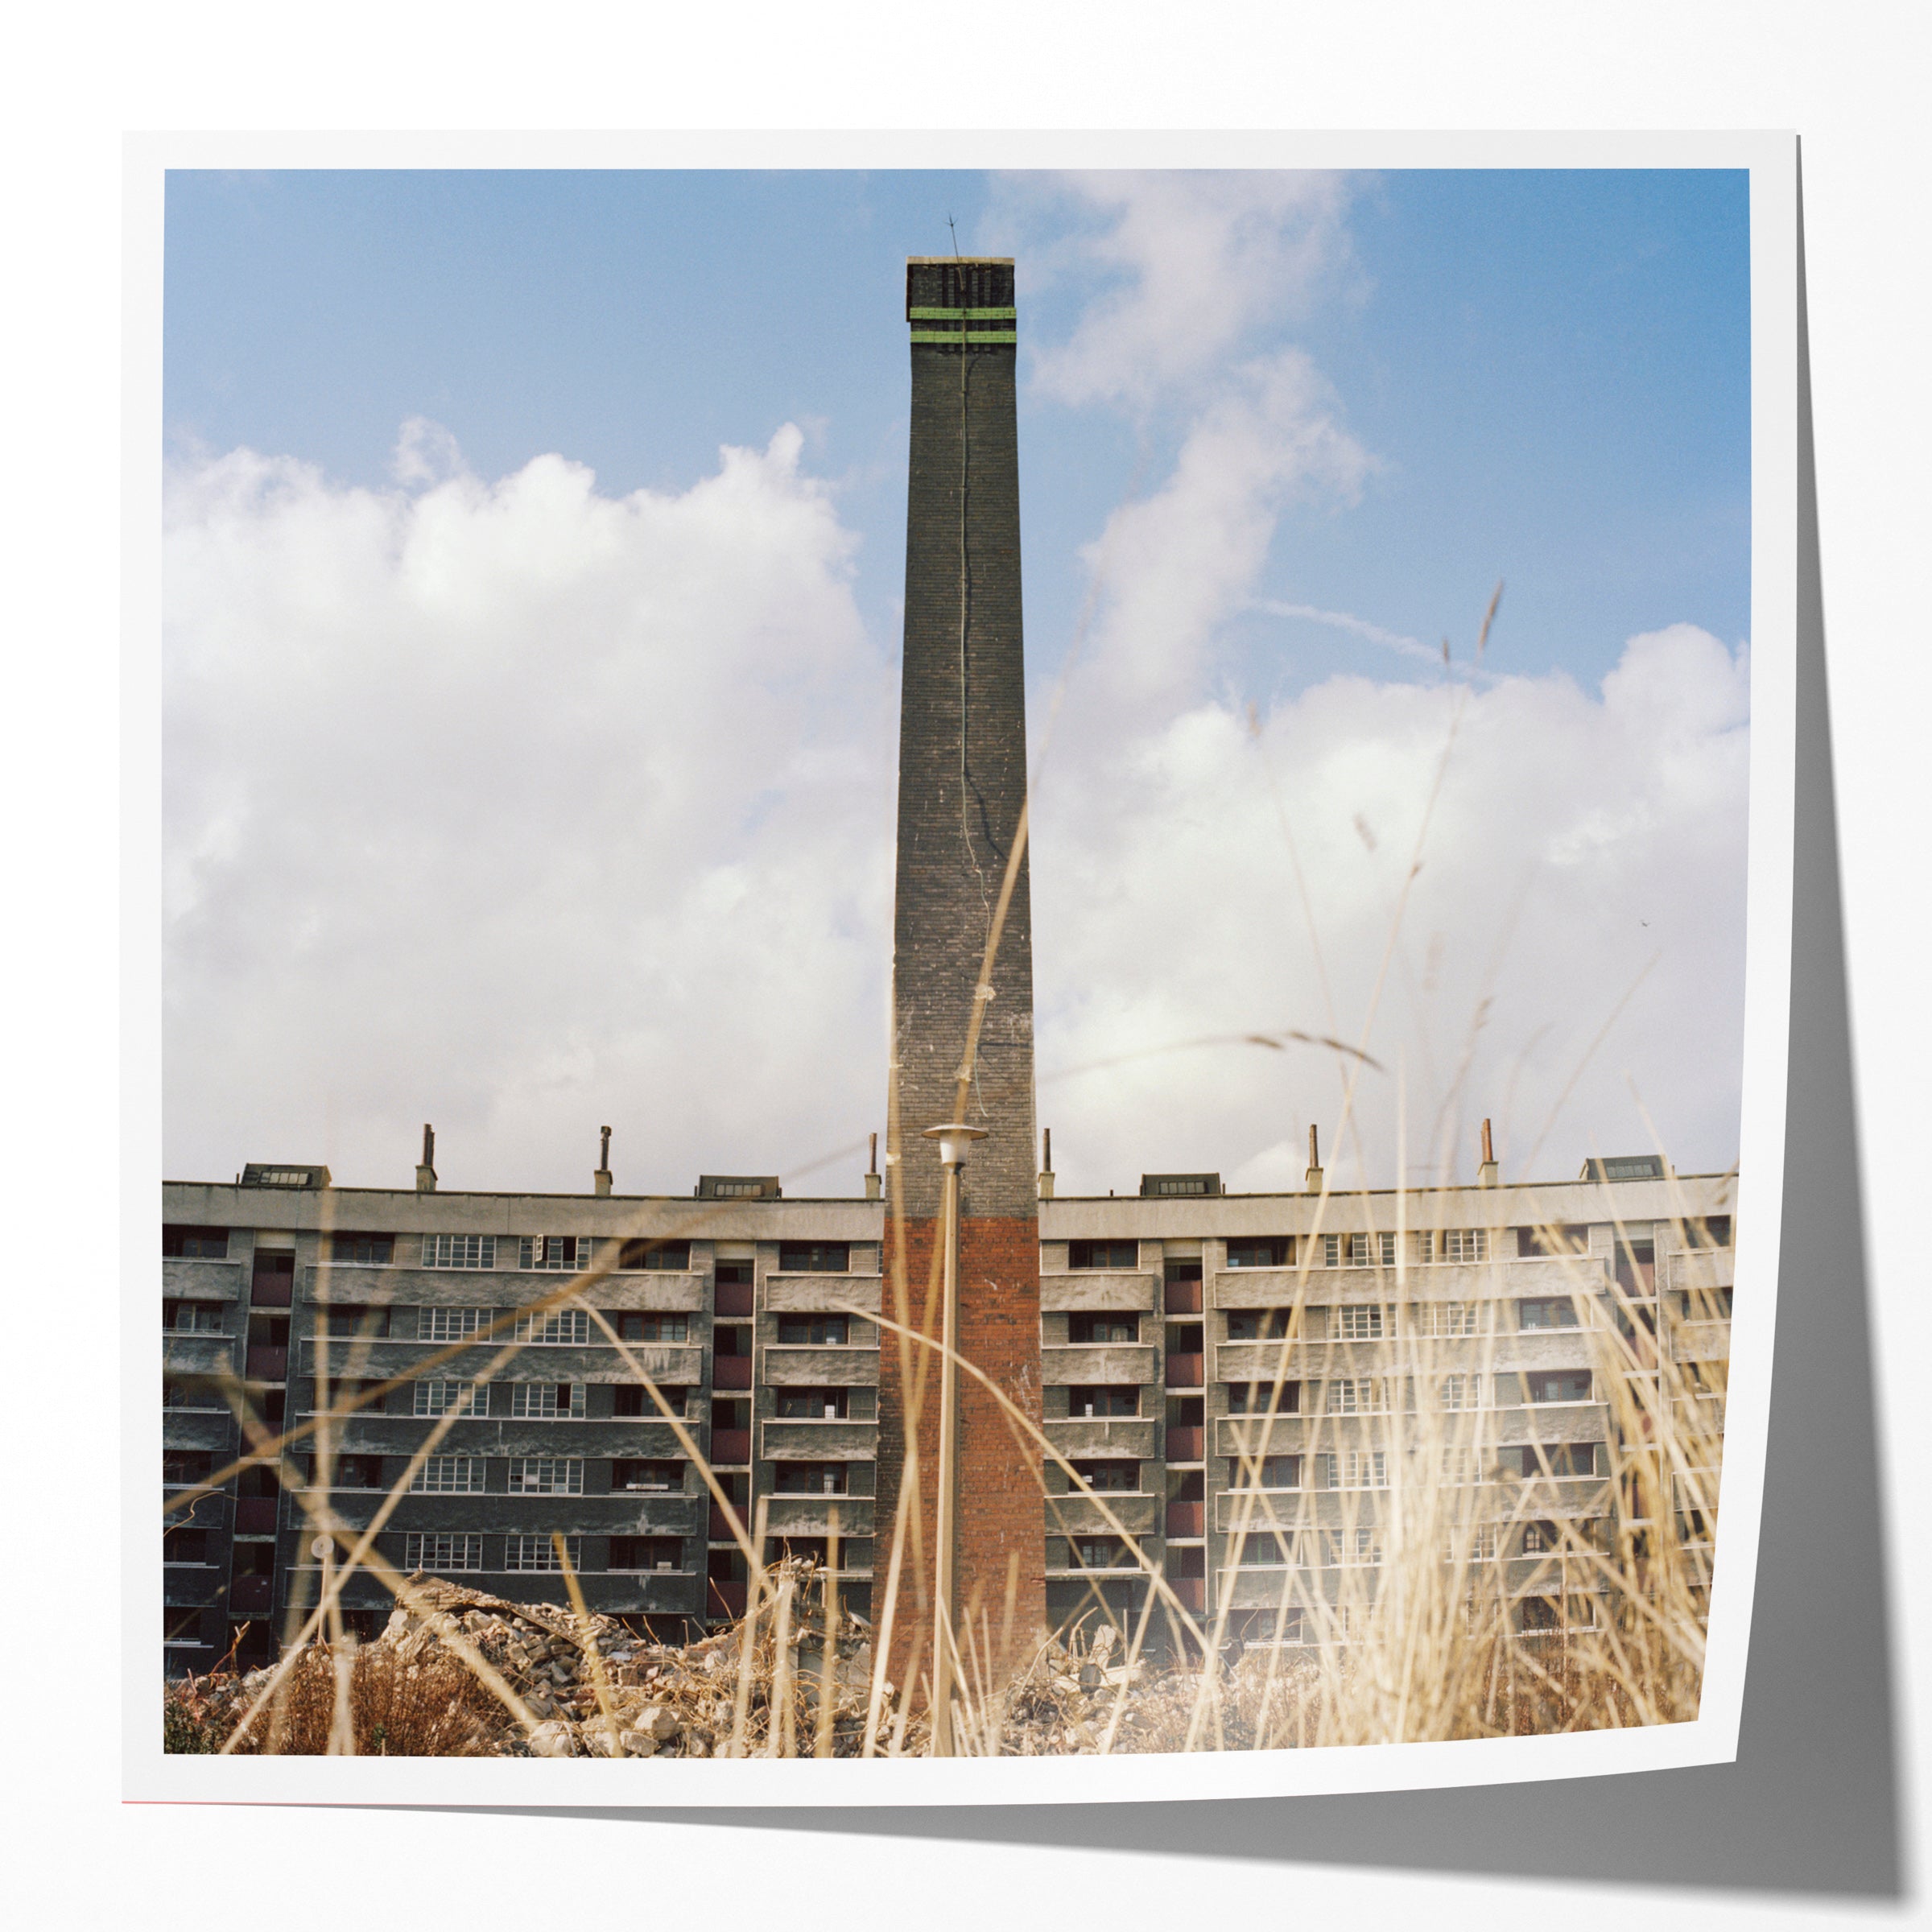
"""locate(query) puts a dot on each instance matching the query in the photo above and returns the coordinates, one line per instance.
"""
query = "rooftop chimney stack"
(1046, 1163)
(1486, 1175)
(872, 1172)
(426, 1168)
(601, 1178)
(1313, 1179)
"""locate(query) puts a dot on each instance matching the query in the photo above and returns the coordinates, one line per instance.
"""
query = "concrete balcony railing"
(201, 1281)
(1423, 1282)
(805, 1440)
(812, 1515)
(1096, 1363)
(1137, 1511)
(198, 1354)
(665, 1290)
(1706, 1268)
(1097, 1289)
(832, 1367)
(1103, 1436)
(1700, 1341)
(823, 1294)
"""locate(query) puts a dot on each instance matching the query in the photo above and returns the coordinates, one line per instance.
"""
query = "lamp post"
(953, 1138)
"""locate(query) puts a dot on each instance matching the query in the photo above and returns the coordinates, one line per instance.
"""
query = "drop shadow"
(1811, 1806)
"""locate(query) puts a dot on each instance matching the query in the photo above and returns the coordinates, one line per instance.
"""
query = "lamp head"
(953, 1138)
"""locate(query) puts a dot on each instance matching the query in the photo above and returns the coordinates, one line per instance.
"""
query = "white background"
(1855, 91)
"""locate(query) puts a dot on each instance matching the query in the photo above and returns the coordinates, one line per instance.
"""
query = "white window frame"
(556, 1253)
(538, 1554)
(1360, 1464)
(1364, 1315)
(555, 1327)
(435, 1324)
(1356, 1395)
(1465, 1244)
(442, 1552)
(520, 1402)
(458, 1251)
(435, 1390)
(546, 1475)
(449, 1476)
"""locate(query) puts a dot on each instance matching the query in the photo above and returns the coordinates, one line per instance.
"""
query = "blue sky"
(548, 798)
(1550, 369)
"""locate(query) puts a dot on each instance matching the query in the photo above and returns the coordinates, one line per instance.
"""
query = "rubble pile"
(594, 1688)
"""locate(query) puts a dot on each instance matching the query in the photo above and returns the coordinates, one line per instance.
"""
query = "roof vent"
(1168, 1186)
(737, 1187)
(258, 1175)
(1624, 1167)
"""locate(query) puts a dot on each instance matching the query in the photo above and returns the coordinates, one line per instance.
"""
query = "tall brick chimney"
(962, 791)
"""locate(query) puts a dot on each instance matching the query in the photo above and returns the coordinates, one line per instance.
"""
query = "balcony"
(734, 1298)
(1073, 1514)
(1095, 1290)
(1186, 1519)
(820, 1294)
(717, 1526)
(255, 1515)
(730, 1446)
(1110, 1363)
(1184, 1371)
(813, 1440)
(1182, 1298)
(1191, 1593)
(252, 1593)
(266, 1365)
(731, 1372)
(1186, 1445)
(830, 1365)
(1109, 1437)
(724, 1599)
(272, 1291)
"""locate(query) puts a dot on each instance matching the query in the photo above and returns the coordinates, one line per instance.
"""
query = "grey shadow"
(1811, 1804)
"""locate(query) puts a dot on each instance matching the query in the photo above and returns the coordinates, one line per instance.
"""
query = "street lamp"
(953, 1138)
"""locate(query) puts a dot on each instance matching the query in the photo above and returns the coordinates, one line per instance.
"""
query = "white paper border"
(149, 1775)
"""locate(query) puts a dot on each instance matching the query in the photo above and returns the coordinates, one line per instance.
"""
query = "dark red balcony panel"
(734, 1298)
(255, 1513)
(266, 1365)
(1190, 1591)
(723, 1599)
(271, 1291)
(1184, 1371)
(1186, 1519)
(1184, 1298)
(731, 1372)
(731, 1446)
(1185, 1445)
(252, 1593)
(720, 1530)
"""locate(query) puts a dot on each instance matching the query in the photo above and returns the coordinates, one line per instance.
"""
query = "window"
(1540, 1539)
(182, 1392)
(446, 1398)
(1097, 1552)
(1103, 1400)
(182, 1466)
(633, 1327)
(346, 1319)
(449, 1476)
(1572, 1239)
(1714, 1231)
(1548, 1311)
(1267, 1550)
(1702, 1304)
(733, 1274)
(648, 1251)
(367, 1250)
(458, 1251)
(633, 1398)
(1260, 1398)
(1104, 1254)
(1361, 1324)
(646, 1553)
(195, 1244)
(184, 1545)
(1358, 1250)
(1277, 1251)
(365, 1472)
(441, 1553)
(193, 1318)
(568, 1327)
(1358, 1395)
(1465, 1244)
(1526, 1461)
(546, 1475)
(1083, 1328)
(813, 1405)
(1367, 1547)
(1559, 1385)
(811, 1479)
(1461, 1391)
(1353, 1469)
(1258, 1324)
(1110, 1479)
(814, 1258)
(1538, 1613)
(1477, 1545)
(541, 1552)
(565, 1254)
(657, 1477)
(813, 1330)
(547, 1402)
(1274, 1471)
(449, 1324)
(1439, 1320)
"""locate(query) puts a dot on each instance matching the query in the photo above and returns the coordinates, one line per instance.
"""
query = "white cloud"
(1582, 845)
(522, 809)
(1190, 263)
